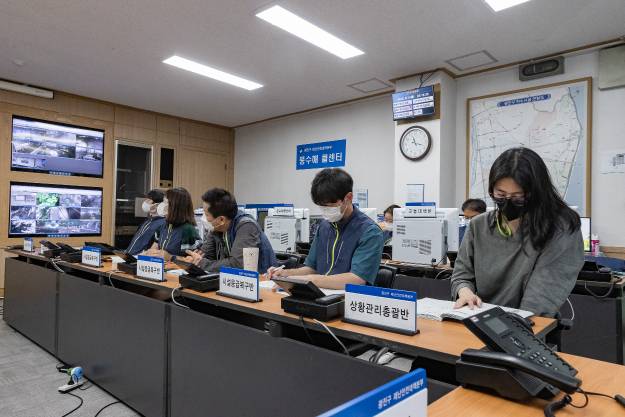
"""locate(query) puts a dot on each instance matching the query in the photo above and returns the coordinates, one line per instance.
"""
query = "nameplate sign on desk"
(28, 244)
(406, 396)
(420, 210)
(286, 211)
(382, 308)
(151, 268)
(239, 284)
(91, 256)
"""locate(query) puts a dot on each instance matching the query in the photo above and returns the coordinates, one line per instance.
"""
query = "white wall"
(265, 153)
(608, 132)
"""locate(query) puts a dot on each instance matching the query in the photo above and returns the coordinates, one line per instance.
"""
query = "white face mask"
(146, 206)
(208, 226)
(331, 214)
(161, 209)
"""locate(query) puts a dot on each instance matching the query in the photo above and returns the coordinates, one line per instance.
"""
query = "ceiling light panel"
(498, 5)
(210, 72)
(292, 23)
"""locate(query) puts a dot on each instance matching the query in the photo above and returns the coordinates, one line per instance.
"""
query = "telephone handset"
(518, 366)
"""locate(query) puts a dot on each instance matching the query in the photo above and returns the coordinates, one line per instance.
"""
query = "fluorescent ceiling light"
(303, 29)
(210, 72)
(498, 5)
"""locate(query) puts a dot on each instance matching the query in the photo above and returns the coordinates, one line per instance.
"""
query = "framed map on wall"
(555, 120)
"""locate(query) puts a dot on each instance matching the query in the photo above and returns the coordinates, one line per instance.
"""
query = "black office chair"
(386, 276)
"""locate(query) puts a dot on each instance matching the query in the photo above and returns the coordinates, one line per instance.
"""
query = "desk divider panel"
(226, 369)
(30, 303)
(120, 340)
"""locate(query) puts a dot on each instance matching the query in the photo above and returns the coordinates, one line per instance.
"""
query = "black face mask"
(511, 209)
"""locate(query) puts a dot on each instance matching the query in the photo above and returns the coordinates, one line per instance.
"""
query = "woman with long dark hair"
(528, 252)
(178, 234)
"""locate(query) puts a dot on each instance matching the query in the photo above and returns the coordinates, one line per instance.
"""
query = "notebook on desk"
(439, 310)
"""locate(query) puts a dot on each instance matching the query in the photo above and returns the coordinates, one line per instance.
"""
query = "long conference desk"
(228, 357)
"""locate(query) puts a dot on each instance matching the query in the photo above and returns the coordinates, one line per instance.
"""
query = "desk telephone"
(517, 365)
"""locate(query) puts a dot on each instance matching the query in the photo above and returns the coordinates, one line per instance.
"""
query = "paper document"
(267, 284)
(332, 292)
(433, 309)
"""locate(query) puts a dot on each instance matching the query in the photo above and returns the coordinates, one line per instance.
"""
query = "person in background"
(347, 247)
(178, 234)
(472, 207)
(387, 224)
(228, 232)
(528, 252)
(145, 235)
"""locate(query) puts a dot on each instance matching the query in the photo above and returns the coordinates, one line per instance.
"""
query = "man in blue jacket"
(144, 237)
(229, 231)
(347, 247)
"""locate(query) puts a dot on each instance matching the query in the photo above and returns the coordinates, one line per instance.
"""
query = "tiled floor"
(29, 382)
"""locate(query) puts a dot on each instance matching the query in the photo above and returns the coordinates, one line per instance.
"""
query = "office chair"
(386, 276)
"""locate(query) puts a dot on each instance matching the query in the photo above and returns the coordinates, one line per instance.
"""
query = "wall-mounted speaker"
(612, 67)
(540, 69)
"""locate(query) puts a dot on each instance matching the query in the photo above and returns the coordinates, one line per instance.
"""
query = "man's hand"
(194, 257)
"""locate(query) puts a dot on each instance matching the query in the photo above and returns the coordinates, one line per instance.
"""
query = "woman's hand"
(468, 298)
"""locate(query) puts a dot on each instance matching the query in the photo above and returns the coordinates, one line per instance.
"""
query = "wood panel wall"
(119, 123)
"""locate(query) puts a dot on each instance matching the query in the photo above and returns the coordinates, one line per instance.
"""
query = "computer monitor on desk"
(418, 240)
(285, 230)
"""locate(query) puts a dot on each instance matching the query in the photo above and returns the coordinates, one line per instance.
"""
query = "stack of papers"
(433, 309)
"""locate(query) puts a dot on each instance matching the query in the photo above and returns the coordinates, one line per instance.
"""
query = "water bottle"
(594, 245)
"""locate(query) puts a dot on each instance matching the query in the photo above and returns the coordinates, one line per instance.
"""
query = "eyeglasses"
(517, 199)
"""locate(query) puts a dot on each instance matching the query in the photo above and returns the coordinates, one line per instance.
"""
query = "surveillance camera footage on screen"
(55, 148)
(54, 211)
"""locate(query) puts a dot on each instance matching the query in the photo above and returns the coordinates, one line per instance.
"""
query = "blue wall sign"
(321, 155)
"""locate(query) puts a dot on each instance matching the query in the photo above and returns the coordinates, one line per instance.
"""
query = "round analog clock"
(415, 143)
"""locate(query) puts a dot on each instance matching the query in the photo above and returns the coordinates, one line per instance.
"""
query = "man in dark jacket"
(228, 232)
(145, 235)
(347, 247)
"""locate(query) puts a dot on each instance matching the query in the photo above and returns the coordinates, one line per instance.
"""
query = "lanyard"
(334, 247)
(226, 240)
(164, 245)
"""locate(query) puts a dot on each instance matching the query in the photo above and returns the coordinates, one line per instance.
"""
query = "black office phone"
(128, 258)
(190, 268)
(49, 245)
(518, 366)
(105, 249)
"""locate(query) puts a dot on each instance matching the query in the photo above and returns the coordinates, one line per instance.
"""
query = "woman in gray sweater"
(528, 252)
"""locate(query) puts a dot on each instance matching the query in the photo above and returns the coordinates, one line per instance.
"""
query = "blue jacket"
(336, 243)
(145, 235)
(176, 240)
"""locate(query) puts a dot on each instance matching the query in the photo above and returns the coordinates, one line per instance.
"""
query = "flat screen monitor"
(56, 148)
(586, 233)
(413, 103)
(54, 210)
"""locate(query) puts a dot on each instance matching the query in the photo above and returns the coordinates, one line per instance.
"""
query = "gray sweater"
(506, 271)
(218, 254)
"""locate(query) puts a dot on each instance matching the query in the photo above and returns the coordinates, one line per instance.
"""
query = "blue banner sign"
(321, 155)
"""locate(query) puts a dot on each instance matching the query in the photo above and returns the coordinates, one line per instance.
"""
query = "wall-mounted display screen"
(54, 210)
(56, 148)
(413, 103)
